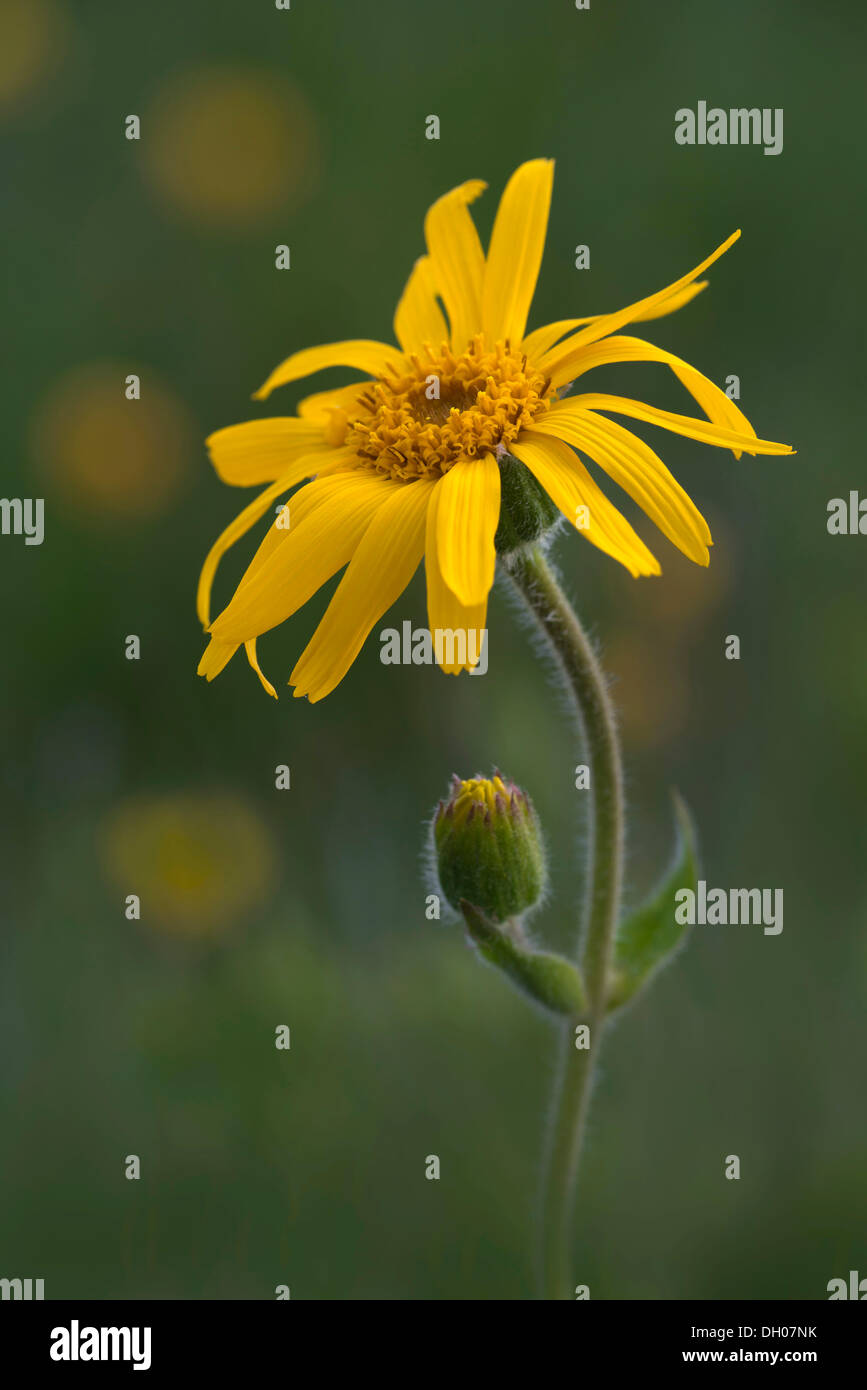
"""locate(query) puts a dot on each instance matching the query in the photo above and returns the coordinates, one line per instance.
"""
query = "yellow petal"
(716, 404)
(419, 318)
(379, 571)
(571, 488)
(326, 521)
(320, 405)
(671, 303)
(461, 626)
(541, 340)
(634, 466)
(291, 513)
(468, 510)
(260, 450)
(641, 309)
(215, 658)
(333, 411)
(361, 353)
(218, 654)
(301, 468)
(250, 649)
(702, 430)
(515, 253)
(457, 260)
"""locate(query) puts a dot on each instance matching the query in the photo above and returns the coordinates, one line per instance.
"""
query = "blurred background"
(306, 907)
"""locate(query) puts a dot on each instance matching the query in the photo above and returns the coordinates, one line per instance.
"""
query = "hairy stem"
(540, 591)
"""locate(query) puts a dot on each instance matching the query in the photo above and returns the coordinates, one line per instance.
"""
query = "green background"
(156, 1037)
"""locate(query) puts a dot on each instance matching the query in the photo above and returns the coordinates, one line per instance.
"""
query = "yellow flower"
(198, 861)
(406, 464)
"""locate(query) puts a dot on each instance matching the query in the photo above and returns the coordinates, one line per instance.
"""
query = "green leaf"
(550, 980)
(650, 937)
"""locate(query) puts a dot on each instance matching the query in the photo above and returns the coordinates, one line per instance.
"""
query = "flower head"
(408, 463)
(488, 847)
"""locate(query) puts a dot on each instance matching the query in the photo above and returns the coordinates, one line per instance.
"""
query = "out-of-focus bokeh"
(304, 907)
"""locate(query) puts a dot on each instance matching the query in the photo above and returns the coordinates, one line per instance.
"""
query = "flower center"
(481, 793)
(449, 407)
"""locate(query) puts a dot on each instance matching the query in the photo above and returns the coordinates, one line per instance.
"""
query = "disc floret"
(449, 406)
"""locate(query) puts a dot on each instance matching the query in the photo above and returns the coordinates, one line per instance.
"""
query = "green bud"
(489, 847)
(526, 510)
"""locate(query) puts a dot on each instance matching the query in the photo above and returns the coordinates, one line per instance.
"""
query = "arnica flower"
(407, 463)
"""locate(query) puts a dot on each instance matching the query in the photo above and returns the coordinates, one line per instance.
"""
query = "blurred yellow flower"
(406, 465)
(680, 604)
(33, 41)
(227, 145)
(111, 456)
(653, 695)
(198, 862)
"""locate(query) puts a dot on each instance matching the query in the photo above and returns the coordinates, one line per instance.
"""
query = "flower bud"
(489, 848)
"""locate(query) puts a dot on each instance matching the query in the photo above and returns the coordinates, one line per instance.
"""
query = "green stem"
(577, 660)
